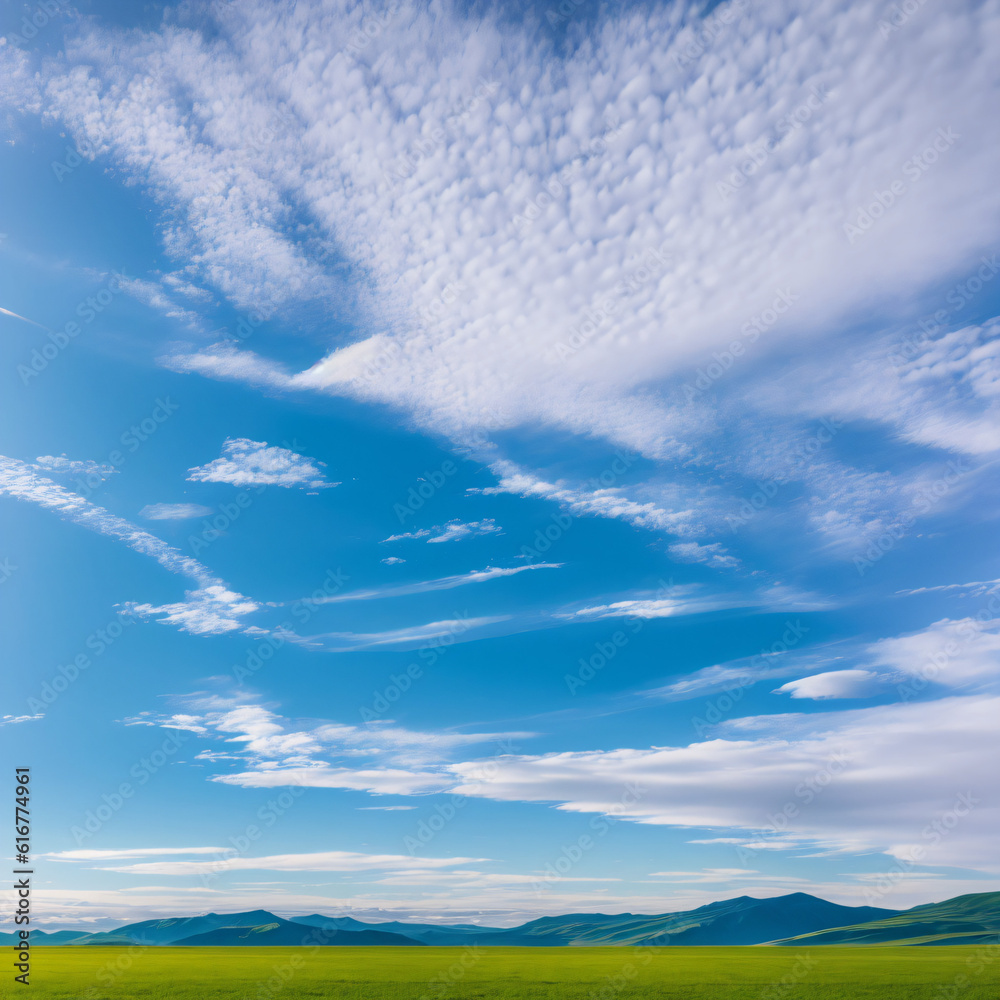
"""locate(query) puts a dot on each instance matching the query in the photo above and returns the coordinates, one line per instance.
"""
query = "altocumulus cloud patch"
(256, 463)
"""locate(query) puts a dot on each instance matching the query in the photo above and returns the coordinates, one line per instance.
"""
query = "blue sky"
(472, 468)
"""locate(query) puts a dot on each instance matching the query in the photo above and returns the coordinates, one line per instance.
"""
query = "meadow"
(386, 973)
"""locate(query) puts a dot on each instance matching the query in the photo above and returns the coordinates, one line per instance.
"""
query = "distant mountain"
(56, 937)
(971, 919)
(172, 930)
(794, 919)
(734, 921)
(283, 933)
(426, 933)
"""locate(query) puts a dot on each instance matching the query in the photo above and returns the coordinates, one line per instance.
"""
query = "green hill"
(284, 933)
(172, 930)
(794, 919)
(740, 921)
(971, 919)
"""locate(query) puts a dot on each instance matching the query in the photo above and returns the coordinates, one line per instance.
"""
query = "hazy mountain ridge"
(793, 919)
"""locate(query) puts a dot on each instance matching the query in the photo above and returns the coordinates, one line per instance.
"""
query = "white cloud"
(211, 610)
(255, 463)
(453, 531)
(858, 780)
(713, 555)
(491, 905)
(430, 634)
(174, 511)
(977, 588)
(63, 466)
(152, 294)
(668, 602)
(18, 480)
(596, 188)
(953, 653)
(427, 586)
(731, 677)
(227, 362)
(834, 684)
(600, 502)
(938, 390)
(12, 720)
(663, 608)
(855, 781)
(312, 753)
(377, 780)
(392, 560)
(132, 852)
(319, 861)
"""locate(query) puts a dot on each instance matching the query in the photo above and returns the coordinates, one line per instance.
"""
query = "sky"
(466, 463)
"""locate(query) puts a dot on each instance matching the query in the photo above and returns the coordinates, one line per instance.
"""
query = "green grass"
(832, 973)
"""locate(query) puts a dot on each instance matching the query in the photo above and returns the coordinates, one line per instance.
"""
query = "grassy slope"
(512, 974)
(971, 918)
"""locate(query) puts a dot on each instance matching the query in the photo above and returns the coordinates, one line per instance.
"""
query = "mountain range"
(796, 919)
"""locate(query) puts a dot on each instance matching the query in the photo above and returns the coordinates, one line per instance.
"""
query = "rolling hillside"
(283, 933)
(794, 919)
(971, 919)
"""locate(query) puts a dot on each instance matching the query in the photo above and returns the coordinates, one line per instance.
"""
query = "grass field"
(830, 973)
